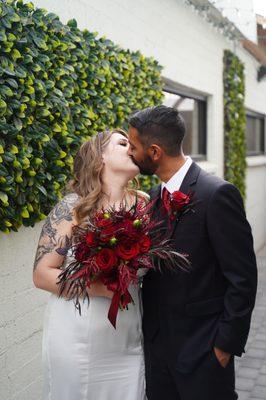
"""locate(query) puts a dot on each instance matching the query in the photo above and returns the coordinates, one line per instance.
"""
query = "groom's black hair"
(161, 125)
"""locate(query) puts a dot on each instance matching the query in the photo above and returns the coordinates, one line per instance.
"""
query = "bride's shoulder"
(71, 199)
(64, 209)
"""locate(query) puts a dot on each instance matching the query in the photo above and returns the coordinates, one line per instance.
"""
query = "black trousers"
(209, 381)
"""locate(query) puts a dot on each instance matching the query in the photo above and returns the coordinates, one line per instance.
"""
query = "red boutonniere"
(177, 203)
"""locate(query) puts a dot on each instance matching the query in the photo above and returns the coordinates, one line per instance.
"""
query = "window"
(255, 133)
(194, 111)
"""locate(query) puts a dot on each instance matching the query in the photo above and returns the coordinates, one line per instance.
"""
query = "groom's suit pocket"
(214, 305)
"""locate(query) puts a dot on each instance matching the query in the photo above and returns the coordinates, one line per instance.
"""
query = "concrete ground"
(251, 368)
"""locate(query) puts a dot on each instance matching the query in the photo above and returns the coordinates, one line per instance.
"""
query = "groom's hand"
(222, 356)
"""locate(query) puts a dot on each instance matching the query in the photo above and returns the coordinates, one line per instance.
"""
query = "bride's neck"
(114, 188)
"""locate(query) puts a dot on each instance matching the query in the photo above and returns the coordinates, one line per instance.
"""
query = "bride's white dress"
(85, 358)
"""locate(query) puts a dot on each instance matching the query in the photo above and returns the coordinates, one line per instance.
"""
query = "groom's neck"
(169, 166)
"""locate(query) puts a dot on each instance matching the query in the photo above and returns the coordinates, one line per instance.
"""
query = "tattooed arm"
(56, 233)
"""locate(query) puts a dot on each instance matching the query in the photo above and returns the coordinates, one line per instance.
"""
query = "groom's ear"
(155, 152)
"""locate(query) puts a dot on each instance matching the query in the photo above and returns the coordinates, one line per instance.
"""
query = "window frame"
(202, 122)
(253, 114)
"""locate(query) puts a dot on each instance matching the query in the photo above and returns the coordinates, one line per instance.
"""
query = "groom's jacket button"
(205, 307)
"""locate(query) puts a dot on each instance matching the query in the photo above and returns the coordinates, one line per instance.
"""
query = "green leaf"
(3, 37)
(12, 82)
(6, 91)
(39, 42)
(24, 213)
(6, 22)
(41, 189)
(18, 123)
(72, 23)
(3, 197)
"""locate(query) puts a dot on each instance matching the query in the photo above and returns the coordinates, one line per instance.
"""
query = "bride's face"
(116, 159)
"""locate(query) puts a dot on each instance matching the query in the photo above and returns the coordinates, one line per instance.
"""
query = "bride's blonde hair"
(87, 169)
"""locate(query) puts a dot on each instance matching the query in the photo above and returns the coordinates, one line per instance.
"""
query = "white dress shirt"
(176, 180)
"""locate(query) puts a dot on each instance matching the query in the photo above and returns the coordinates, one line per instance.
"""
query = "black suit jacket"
(189, 313)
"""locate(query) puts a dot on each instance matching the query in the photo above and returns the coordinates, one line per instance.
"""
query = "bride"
(84, 357)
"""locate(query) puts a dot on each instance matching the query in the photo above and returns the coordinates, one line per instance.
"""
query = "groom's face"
(139, 154)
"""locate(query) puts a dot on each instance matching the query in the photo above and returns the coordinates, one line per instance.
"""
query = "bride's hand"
(98, 289)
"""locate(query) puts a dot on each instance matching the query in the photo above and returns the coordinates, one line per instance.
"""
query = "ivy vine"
(234, 122)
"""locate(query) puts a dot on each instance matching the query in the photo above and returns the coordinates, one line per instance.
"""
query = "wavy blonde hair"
(87, 169)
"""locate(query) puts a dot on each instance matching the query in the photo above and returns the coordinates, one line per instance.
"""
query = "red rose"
(82, 252)
(106, 259)
(90, 239)
(127, 250)
(179, 200)
(145, 243)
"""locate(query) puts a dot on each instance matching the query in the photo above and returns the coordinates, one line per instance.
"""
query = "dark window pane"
(255, 135)
(194, 113)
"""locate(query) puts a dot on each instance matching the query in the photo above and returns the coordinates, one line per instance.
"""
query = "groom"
(194, 322)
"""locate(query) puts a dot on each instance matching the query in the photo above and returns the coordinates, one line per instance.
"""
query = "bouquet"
(112, 248)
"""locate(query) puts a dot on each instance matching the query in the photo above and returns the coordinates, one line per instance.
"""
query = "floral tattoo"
(50, 238)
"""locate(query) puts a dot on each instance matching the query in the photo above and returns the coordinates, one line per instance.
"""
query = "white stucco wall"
(191, 53)
(21, 316)
(256, 172)
(241, 13)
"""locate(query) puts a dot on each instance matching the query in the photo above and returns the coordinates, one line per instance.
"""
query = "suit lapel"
(186, 186)
(155, 192)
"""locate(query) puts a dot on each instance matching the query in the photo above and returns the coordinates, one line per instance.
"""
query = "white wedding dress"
(85, 358)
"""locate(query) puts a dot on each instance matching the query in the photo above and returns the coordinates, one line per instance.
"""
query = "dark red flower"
(127, 250)
(179, 200)
(106, 259)
(103, 222)
(90, 239)
(82, 252)
(145, 243)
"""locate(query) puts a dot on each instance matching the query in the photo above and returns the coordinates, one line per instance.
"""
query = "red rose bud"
(90, 239)
(127, 250)
(113, 241)
(106, 259)
(137, 223)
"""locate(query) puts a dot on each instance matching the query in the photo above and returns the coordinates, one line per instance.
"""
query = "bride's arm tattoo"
(50, 238)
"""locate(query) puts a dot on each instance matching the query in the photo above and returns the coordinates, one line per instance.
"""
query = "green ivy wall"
(234, 122)
(58, 86)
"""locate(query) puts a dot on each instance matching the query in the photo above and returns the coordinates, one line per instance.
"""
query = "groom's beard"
(146, 166)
